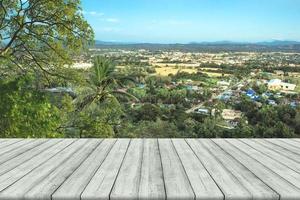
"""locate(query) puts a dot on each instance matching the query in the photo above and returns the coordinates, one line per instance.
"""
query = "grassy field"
(215, 74)
(165, 71)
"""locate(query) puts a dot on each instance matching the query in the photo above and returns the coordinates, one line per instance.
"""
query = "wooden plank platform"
(130, 169)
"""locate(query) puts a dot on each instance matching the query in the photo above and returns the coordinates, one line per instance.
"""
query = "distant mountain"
(99, 42)
(224, 42)
(273, 45)
(279, 42)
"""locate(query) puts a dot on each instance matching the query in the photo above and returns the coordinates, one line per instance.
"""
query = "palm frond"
(102, 68)
(121, 93)
(87, 100)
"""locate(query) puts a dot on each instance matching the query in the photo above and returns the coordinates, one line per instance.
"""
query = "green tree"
(208, 129)
(41, 36)
(97, 120)
(26, 112)
(243, 130)
(103, 84)
(148, 112)
(98, 109)
(150, 129)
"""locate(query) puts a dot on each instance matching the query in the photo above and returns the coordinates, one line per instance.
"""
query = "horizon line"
(199, 42)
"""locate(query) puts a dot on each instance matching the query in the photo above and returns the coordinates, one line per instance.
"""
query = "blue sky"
(183, 21)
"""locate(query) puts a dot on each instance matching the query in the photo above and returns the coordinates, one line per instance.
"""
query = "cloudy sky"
(183, 21)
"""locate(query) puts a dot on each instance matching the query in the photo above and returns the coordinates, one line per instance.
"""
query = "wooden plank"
(151, 183)
(22, 158)
(41, 182)
(102, 182)
(176, 181)
(231, 187)
(274, 155)
(293, 156)
(293, 143)
(59, 169)
(288, 174)
(76, 183)
(296, 139)
(2, 141)
(203, 185)
(285, 189)
(15, 146)
(257, 188)
(17, 151)
(20, 171)
(284, 145)
(130, 172)
(8, 142)
(149, 169)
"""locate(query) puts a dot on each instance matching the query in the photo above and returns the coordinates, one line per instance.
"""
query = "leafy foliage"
(102, 84)
(25, 112)
(41, 36)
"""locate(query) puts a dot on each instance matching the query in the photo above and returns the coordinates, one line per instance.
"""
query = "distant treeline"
(224, 68)
(231, 47)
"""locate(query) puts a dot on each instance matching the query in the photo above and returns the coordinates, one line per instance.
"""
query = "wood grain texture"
(73, 187)
(284, 145)
(14, 146)
(293, 156)
(285, 189)
(203, 185)
(26, 156)
(40, 181)
(149, 169)
(176, 181)
(14, 152)
(130, 172)
(8, 178)
(151, 184)
(290, 175)
(231, 187)
(257, 188)
(101, 184)
(293, 143)
(283, 159)
(8, 142)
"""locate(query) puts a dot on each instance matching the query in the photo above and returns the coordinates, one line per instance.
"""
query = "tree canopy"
(41, 36)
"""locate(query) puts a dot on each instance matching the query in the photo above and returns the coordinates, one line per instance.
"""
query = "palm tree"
(103, 83)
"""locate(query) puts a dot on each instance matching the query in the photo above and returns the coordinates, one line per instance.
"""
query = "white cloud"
(92, 13)
(100, 16)
(113, 20)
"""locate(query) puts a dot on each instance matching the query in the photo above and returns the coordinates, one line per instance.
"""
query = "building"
(223, 83)
(277, 84)
(202, 111)
(288, 86)
(229, 114)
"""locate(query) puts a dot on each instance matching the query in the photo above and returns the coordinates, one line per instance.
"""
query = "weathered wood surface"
(154, 169)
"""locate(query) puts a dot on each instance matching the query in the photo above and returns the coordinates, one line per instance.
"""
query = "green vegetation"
(41, 95)
(41, 37)
(27, 112)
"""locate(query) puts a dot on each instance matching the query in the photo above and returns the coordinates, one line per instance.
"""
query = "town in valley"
(218, 85)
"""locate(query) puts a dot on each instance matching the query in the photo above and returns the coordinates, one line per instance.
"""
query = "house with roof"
(229, 114)
(277, 84)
